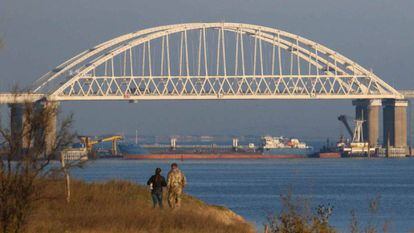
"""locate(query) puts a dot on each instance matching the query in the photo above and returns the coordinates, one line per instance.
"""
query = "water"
(251, 188)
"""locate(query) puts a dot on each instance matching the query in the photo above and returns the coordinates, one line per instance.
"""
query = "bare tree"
(26, 162)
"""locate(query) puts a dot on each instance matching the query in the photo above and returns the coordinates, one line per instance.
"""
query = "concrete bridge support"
(20, 125)
(369, 110)
(51, 125)
(395, 124)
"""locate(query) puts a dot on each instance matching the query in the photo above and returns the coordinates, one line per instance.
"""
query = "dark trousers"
(156, 199)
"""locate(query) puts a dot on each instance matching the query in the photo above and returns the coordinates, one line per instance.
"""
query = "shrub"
(297, 217)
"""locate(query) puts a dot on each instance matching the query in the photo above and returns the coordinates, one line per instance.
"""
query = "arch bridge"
(198, 61)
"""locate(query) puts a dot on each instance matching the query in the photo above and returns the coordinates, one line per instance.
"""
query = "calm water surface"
(252, 187)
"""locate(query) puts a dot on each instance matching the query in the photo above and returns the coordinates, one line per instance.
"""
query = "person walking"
(156, 183)
(176, 182)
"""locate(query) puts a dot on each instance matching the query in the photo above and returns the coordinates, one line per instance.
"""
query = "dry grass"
(119, 206)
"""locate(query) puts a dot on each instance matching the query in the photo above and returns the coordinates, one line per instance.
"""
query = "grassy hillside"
(119, 206)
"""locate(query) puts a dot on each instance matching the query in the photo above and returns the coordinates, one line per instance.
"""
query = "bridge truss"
(211, 61)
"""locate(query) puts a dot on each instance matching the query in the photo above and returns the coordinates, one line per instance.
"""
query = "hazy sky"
(40, 34)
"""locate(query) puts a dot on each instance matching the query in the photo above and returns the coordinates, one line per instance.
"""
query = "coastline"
(121, 206)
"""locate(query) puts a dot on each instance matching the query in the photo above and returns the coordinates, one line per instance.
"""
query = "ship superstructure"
(358, 146)
(269, 142)
(282, 146)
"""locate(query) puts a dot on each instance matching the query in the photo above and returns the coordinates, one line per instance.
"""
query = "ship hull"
(136, 152)
(210, 156)
(329, 155)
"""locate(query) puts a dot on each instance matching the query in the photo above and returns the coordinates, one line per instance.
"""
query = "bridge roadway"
(408, 94)
(19, 98)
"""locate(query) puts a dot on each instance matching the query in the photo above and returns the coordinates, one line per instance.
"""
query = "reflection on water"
(252, 187)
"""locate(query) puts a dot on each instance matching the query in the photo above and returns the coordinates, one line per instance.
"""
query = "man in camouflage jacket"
(175, 184)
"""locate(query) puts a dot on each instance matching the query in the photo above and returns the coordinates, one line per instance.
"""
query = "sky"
(40, 34)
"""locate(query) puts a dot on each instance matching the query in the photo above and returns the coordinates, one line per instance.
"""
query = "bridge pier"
(368, 110)
(51, 125)
(20, 125)
(395, 126)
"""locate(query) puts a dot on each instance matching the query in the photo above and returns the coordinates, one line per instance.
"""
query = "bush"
(297, 217)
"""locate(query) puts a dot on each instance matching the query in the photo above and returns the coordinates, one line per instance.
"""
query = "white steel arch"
(211, 61)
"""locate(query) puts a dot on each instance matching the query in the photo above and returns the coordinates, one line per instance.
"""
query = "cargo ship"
(329, 151)
(270, 148)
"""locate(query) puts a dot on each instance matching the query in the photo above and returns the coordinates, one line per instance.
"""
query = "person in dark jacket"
(156, 183)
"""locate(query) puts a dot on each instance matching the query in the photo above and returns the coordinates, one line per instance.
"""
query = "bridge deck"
(408, 94)
(11, 98)
(14, 98)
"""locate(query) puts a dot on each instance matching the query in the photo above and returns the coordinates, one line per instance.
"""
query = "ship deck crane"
(357, 146)
(89, 143)
(344, 119)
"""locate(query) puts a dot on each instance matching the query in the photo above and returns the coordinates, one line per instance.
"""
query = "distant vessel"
(270, 142)
(329, 151)
(346, 148)
(271, 148)
(285, 147)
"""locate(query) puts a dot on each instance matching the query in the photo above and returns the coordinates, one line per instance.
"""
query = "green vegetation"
(120, 206)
